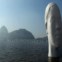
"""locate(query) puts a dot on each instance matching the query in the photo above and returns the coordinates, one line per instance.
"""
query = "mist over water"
(23, 50)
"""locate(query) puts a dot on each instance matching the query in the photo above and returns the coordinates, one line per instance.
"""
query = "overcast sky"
(25, 14)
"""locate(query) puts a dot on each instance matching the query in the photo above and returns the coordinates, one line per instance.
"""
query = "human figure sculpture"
(54, 31)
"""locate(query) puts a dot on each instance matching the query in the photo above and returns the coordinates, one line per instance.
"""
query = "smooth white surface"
(53, 28)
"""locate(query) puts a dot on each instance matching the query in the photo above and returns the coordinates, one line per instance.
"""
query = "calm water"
(23, 51)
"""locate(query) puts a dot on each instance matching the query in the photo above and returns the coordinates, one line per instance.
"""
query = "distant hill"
(43, 38)
(3, 33)
(17, 34)
(21, 34)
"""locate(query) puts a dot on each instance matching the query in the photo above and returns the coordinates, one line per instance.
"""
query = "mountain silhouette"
(21, 34)
(16, 34)
(3, 33)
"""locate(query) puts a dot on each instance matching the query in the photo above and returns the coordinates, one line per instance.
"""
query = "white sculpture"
(53, 29)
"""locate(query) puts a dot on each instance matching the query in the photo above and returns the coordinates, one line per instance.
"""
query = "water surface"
(23, 50)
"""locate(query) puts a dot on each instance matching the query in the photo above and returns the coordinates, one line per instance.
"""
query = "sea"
(23, 50)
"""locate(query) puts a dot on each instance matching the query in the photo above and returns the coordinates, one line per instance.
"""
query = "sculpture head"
(53, 24)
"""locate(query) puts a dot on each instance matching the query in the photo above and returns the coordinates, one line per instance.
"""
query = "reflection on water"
(23, 51)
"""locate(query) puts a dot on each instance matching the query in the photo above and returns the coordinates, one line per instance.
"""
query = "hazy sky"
(25, 14)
